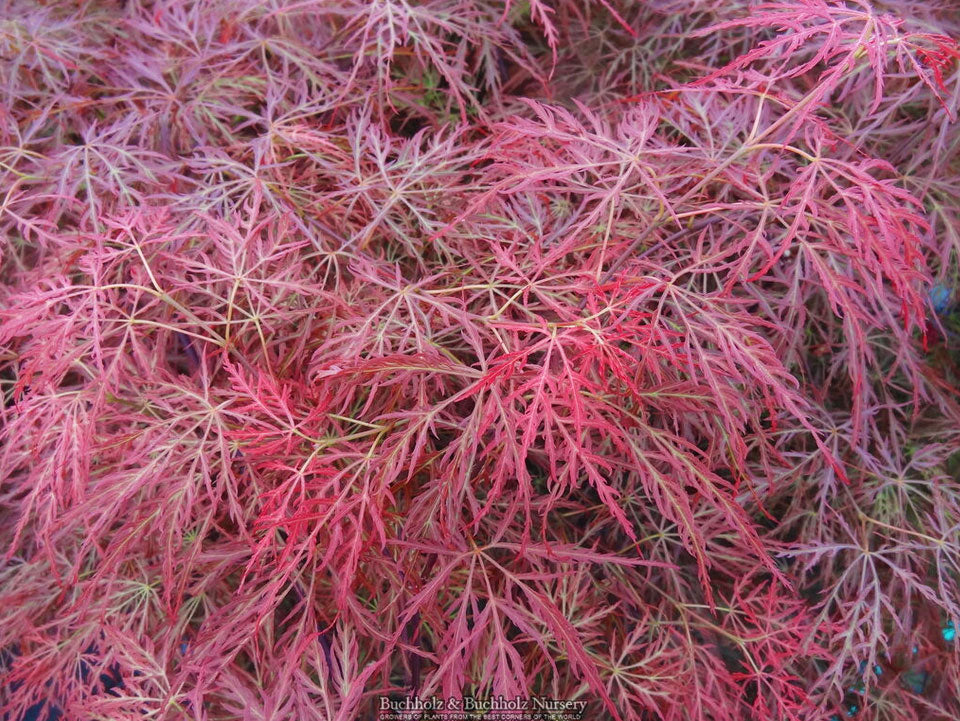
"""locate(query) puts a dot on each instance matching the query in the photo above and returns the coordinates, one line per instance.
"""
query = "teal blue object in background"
(941, 298)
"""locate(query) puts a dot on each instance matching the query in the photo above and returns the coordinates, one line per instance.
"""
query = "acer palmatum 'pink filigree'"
(596, 351)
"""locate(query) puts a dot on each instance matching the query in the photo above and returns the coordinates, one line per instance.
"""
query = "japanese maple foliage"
(600, 350)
